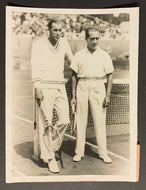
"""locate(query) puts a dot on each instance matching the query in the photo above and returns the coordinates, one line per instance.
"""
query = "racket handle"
(73, 108)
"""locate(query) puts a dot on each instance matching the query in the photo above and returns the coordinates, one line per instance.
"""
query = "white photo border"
(134, 39)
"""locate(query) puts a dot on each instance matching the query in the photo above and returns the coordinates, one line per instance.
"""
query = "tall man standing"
(47, 61)
(89, 67)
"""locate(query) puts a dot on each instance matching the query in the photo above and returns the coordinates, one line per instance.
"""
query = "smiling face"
(55, 32)
(93, 40)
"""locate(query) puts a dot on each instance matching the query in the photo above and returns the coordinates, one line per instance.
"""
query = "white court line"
(21, 118)
(24, 81)
(22, 96)
(94, 146)
(74, 138)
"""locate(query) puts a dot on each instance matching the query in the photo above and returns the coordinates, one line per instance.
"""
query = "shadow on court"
(26, 151)
(68, 147)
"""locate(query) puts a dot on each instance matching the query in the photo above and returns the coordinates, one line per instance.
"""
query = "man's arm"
(35, 70)
(35, 63)
(109, 84)
(108, 91)
(74, 85)
(69, 57)
(68, 54)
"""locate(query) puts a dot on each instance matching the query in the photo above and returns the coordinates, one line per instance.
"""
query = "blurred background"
(114, 29)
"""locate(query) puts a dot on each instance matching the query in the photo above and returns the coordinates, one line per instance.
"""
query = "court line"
(119, 81)
(74, 138)
(23, 96)
(21, 118)
(94, 146)
(24, 81)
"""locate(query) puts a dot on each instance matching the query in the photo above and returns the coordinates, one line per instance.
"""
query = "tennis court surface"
(22, 137)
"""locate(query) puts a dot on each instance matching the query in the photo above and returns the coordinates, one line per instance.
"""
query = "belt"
(92, 78)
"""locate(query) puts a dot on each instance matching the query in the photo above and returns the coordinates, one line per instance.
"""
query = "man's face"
(93, 40)
(55, 32)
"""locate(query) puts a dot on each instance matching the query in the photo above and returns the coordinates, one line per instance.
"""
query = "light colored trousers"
(53, 98)
(92, 90)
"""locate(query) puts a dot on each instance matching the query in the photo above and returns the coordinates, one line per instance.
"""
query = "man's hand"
(73, 104)
(39, 95)
(106, 102)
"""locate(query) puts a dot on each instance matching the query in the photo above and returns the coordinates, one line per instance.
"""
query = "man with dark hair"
(53, 20)
(47, 61)
(87, 35)
(89, 66)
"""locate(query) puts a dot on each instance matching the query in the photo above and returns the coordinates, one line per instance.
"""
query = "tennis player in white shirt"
(47, 65)
(89, 67)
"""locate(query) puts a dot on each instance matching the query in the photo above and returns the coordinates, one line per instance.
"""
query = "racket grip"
(73, 108)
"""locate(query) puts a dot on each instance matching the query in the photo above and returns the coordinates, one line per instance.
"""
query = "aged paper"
(119, 37)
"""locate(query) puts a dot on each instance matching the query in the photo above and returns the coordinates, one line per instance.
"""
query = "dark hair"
(90, 29)
(53, 20)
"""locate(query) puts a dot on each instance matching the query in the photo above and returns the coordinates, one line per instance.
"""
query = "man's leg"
(82, 114)
(45, 138)
(62, 109)
(98, 114)
(99, 118)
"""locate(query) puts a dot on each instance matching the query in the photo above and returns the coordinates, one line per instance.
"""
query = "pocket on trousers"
(82, 92)
(82, 86)
(99, 93)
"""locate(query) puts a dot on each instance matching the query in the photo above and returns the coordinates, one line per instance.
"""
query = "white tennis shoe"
(106, 159)
(77, 158)
(53, 167)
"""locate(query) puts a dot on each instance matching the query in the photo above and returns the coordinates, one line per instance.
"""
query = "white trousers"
(53, 98)
(92, 90)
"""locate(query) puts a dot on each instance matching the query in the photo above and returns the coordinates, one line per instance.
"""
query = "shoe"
(77, 158)
(106, 159)
(53, 167)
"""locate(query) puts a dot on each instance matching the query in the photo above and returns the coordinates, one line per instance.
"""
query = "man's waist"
(51, 82)
(90, 78)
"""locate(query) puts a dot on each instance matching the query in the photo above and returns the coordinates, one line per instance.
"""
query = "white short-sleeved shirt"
(96, 64)
(47, 61)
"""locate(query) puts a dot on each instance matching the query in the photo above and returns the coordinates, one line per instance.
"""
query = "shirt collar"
(55, 48)
(87, 51)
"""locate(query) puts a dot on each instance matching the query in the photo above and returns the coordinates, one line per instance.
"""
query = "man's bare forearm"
(109, 84)
(74, 84)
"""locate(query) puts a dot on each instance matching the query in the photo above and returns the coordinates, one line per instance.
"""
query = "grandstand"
(35, 24)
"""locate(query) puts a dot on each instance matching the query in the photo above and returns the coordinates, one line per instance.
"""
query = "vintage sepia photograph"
(71, 94)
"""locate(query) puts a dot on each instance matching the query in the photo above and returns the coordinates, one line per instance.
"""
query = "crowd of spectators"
(35, 24)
